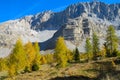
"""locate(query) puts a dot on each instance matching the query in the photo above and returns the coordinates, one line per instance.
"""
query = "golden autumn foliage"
(103, 52)
(61, 52)
(95, 46)
(18, 56)
(83, 56)
(88, 48)
(43, 60)
(112, 42)
(3, 64)
(70, 56)
(33, 54)
(22, 57)
(37, 53)
(49, 58)
(30, 53)
(12, 70)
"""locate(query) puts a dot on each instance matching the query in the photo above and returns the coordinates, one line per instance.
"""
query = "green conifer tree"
(76, 55)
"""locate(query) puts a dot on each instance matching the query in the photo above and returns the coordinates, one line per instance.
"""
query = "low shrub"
(35, 67)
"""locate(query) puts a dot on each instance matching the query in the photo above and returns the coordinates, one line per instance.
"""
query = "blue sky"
(13, 9)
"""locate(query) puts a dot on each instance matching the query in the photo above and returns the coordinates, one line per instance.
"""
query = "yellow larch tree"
(61, 52)
(37, 53)
(18, 56)
(30, 53)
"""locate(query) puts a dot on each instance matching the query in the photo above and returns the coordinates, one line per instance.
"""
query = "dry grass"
(90, 70)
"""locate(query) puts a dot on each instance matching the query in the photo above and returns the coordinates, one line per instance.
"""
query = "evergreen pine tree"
(76, 55)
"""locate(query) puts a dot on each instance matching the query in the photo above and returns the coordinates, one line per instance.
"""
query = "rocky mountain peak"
(77, 20)
(100, 9)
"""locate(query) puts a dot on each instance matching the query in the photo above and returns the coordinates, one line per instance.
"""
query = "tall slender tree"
(61, 52)
(96, 48)
(111, 42)
(88, 47)
(37, 60)
(37, 53)
(30, 53)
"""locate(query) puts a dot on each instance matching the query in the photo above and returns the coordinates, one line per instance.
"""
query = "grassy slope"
(100, 70)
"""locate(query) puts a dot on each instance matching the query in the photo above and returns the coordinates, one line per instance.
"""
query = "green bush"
(35, 67)
(26, 69)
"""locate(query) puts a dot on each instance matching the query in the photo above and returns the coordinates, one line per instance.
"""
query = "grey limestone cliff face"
(76, 32)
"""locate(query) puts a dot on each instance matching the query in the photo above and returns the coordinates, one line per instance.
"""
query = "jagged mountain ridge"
(98, 14)
(109, 12)
(48, 19)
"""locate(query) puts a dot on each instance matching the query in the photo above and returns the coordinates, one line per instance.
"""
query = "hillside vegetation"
(26, 63)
